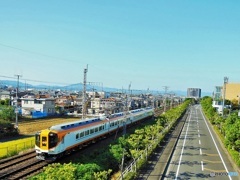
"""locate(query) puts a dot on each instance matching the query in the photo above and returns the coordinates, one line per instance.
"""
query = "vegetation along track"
(21, 166)
(161, 158)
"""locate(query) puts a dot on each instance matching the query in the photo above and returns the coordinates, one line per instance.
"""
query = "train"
(62, 139)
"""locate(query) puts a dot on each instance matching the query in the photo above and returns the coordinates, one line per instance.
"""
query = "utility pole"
(225, 81)
(16, 105)
(84, 93)
(165, 98)
(124, 132)
(124, 127)
(153, 102)
(130, 94)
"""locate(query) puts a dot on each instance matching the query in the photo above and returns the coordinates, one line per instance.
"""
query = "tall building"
(194, 93)
(217, 94)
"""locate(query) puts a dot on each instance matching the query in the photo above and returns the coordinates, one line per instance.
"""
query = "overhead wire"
(49, 56)
(32, 80)
(39, 53)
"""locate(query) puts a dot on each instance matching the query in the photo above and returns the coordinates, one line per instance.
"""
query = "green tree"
(57, 171)
(7, 113)
(2, 102)
(232, 131)
(86, 171)
(102, 175)
(117, 151)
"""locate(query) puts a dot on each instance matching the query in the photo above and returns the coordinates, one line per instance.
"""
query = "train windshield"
(53, 140)
(37, 139)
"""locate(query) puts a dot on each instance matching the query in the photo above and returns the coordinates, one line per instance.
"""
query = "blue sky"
(174, 43)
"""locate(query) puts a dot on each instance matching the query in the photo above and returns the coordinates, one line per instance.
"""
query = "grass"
(40, 124)
(13, 147)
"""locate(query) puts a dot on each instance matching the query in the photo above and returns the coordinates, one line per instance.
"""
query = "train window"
(63, 127)
(37, 139)
(86, 132)
(116, 123)
(77, 136)
(96, 129)
(103, 126)
(81, 134)
(72, 125)
(53, 140)
(100, 128)
(91, 131)
(112, 124)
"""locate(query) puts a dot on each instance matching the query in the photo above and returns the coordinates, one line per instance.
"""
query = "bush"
(7, 129)
(7, 113)
(235, 155)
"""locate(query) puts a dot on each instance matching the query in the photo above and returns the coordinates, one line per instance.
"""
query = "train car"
(62, 139)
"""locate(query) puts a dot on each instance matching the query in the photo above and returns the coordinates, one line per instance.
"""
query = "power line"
(32, 80)
(49, 56)
(39, 53)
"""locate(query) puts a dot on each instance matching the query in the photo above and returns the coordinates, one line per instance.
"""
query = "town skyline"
(175, 44)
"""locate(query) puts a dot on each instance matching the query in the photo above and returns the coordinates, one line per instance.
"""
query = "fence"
(15, 148)
(38, 114)
(133, 165)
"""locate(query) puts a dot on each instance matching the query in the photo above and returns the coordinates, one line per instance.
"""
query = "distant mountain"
(79, 87)
(13, 84)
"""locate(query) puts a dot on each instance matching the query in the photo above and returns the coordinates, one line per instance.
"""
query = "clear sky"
(156, 43)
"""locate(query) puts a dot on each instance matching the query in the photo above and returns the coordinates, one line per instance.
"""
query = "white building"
(4, 95)
(46, 105)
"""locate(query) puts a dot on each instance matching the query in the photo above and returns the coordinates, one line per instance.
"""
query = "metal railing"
(132, 167)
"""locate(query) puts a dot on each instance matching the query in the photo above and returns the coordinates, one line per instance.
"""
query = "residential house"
(4, 95)
(112, 105)
(43, 105)
(66, 103)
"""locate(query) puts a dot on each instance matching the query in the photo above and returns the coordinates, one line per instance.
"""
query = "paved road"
(198, 154)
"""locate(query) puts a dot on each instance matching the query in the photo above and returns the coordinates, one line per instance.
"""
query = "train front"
(45, 145)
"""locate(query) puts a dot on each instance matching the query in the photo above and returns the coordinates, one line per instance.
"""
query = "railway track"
(21, 166)
(26, 165)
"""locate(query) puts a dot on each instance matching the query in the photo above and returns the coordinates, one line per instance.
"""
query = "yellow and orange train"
(62, 139)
